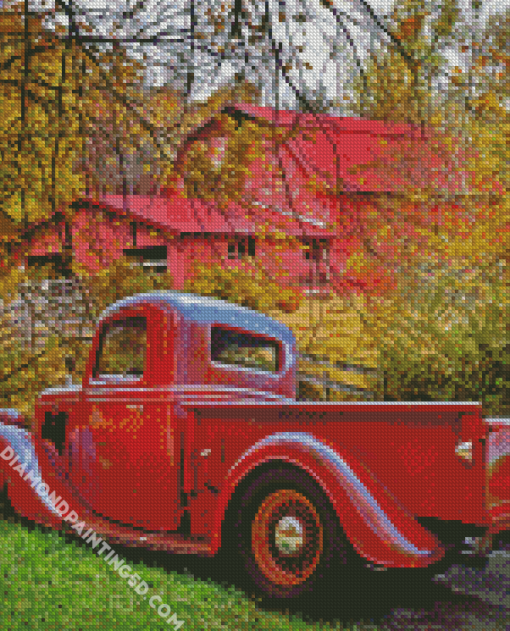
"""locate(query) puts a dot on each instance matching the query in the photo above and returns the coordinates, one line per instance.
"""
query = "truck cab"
(151, 352)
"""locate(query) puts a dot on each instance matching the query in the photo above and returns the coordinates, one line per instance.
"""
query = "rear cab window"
(122, 349)
(237, 349)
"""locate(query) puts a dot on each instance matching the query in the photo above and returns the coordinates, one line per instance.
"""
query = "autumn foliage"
(424, 286)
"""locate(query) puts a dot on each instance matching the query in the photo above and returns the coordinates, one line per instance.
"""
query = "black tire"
(502, 540)
(284, 535)
(7, 512)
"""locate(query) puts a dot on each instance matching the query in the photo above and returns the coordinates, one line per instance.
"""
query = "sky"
(336, 81)
(336, 78)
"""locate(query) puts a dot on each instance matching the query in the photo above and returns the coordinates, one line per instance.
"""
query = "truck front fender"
(379, 528)
(11, 416)
(33, 480)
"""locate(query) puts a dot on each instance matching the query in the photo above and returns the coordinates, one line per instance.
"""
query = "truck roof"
(206, 309)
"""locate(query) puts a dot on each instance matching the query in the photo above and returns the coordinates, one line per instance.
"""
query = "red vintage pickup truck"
(185, 436)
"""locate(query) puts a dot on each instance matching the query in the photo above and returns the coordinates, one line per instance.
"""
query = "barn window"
(151, 258)
(316, 249)
(242, 247)
(54, 263)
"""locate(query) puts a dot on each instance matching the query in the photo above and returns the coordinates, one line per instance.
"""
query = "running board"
(166, 541)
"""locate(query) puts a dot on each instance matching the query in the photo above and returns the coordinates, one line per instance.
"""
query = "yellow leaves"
(443, 320)
(10, 24)
(384, 232)
(356, 262)
(332, 328)
(488, 101)
(500, 56)
(119, 279)
(8, 229)
(483, 60)
(437, 119)
(32, 171)
(419, 195)
(409, 28)
(10, 278)
(393, 95)
(279, 235)
(223, 179)
(250, 287)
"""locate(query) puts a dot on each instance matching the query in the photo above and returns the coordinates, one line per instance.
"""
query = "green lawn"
(49, 583)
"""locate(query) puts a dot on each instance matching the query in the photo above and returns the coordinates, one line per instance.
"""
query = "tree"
(399, 87)
(441, 330)
(49, 86)
(246, 286)
(26, 370)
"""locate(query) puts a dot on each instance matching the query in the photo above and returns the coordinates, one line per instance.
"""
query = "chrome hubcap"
(289, 535)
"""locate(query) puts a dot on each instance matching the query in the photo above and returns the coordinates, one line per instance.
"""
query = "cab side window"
(244, 350)
(122, 349)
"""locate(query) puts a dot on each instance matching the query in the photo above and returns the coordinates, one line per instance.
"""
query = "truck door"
(122, 455)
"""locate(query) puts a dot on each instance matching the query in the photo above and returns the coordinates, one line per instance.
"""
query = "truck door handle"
(464, 450)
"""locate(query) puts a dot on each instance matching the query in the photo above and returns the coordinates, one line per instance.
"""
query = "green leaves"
(448, 16)
(121, 279)
(449, 342)
(248, 287)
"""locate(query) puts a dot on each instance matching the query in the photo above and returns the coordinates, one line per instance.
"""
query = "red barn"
(318, 186)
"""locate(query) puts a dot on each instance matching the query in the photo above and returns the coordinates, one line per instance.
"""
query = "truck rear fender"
(378, 527)
(498, 473)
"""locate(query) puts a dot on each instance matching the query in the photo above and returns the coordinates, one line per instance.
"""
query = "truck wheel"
(285, 534)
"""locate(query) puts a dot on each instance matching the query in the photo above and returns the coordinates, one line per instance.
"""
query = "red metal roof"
(367, 155)
(178, 214)
(345, 123)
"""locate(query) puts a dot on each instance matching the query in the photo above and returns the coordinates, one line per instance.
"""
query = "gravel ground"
(485, 608)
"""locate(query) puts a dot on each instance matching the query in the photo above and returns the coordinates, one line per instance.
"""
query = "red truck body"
(187, 401)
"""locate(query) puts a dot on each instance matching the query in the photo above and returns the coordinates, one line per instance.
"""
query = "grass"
(50, 583)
